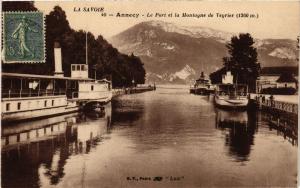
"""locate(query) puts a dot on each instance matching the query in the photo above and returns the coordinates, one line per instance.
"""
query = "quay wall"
(281, 115)
(123, 91)
(275, 103)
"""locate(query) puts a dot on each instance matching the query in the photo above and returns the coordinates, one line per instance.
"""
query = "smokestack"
(57, 59)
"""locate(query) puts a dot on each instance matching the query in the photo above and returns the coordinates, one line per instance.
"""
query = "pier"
(273, 104)
(281, 115)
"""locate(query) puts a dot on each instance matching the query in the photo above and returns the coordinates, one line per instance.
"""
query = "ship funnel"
(227, 78)
(58, 61)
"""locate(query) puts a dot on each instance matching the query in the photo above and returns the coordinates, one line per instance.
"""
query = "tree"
(57, 29)
(216, 77)
(103, 58)
(242, 60)
(137, 69)
(18, 6)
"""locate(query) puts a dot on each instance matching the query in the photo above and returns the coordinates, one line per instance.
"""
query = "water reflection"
(127, 110)
(162, 133)
(285, 125)
(46, 145)
(239, 128)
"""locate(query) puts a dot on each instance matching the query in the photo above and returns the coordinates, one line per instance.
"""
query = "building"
(287, 80)
(277, 77)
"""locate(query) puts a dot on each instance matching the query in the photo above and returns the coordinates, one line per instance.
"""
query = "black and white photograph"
(149, 94)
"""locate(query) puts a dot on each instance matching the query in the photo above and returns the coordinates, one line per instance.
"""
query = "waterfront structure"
(287, 80)
(276, 78)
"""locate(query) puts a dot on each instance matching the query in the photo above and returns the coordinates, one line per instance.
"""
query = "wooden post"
(66, 86)
(21, 88)
(39, 87)
(285, 126)
(53, 87)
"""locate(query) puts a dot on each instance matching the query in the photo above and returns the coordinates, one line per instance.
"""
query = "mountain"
(171, 51)
(186, 75)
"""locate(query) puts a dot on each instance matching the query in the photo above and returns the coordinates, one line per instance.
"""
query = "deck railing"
(14, 93)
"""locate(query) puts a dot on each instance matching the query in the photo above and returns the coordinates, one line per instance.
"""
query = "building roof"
(286, 77)
(277, 71)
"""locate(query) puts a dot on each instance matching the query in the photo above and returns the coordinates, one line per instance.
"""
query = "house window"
(52, 102)
(73, 67)
(7, 106)
(45, 103)
(19, 106)
(92, 88)
(78, 67)
(82, 67)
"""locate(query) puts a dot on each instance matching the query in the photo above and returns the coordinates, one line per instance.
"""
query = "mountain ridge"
(166, 48)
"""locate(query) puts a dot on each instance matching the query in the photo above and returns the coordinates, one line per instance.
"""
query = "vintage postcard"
(149, 93)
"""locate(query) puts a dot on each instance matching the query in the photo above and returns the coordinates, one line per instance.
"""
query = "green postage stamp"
(23, 37)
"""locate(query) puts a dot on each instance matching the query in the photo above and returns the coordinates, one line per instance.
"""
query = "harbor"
(29, 96)
(89, 99)
(128, 139)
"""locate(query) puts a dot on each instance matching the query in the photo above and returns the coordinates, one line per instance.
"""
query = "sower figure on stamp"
(20, 33)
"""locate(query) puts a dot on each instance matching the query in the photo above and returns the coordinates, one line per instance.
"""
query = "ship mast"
(86, 49)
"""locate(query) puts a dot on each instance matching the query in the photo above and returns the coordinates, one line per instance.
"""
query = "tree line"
(242, 62)
(103, 59)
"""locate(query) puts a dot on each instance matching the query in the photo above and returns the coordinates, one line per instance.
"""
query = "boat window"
(7, 106)
(73, 67)
(78, 67)
(82, 67)
(19, 105)
(52, 102)
(45, 103)
(92, 87)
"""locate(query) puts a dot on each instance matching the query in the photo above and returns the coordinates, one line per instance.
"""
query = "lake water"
(164, 138)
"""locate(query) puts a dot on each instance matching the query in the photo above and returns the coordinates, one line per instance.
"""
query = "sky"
(273, 19)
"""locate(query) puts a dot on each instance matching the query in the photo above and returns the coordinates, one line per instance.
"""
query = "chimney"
(57, 59)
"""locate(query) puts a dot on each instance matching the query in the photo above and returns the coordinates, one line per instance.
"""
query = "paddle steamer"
(26, 96)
